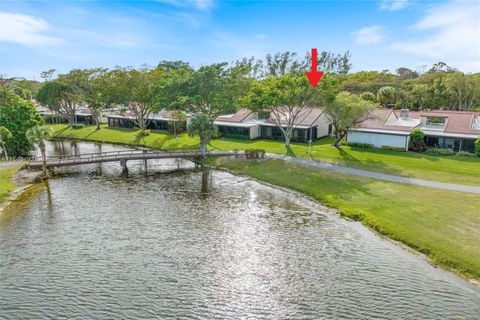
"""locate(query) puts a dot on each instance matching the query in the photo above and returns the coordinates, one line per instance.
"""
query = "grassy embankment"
(6, 185)
(460, 170)
(444, 225)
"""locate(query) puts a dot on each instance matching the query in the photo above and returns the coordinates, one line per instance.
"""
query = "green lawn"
(460, 170)
(6, 185)
(444, 225)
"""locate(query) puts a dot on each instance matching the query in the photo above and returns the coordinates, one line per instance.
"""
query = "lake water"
(167, 244)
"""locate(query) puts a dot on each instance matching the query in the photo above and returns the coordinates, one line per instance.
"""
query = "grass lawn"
(6, 185)
(453, 169)
(444, 225)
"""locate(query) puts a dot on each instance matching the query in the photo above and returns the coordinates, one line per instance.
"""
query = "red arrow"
(314, 76)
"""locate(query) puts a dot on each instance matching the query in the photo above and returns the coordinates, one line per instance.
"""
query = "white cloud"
(393, 5)
(448, 32)
(261, 36)
(369, 35)
(198, 4)
(24, 29)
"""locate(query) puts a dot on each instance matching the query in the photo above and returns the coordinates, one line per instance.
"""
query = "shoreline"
(336, 211)
(23, 180)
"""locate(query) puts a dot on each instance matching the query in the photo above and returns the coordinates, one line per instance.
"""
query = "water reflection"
(195, 244)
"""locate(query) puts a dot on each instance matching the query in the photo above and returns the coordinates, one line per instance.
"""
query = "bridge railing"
(123, 154)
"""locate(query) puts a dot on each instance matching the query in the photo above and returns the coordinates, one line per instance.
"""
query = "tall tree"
(38, 135)
(288, 99)
(17, 115)
(387, 97)
(5, 135)
(135, 90)
(65, 94)
(464, 89)
(345, 112)
(203, 127)
(98, 93)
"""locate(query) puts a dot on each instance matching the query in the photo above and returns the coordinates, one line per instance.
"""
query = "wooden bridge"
(123, 156)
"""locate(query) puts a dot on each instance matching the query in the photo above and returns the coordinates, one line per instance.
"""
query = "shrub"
(254, 153)
(144, 133)
(393, 148)
(416, 141)
(477, 147)
(78, 126)
(465, 154)
(441, 151)
(360, 145)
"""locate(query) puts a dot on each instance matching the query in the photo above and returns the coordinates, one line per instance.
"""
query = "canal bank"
(440, 224)
(14, 181)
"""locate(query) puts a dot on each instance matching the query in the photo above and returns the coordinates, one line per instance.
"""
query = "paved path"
(377, 175)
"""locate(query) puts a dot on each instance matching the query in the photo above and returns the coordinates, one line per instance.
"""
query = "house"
(456, 130)
(158, 121)
(82, 115)
(310, 124)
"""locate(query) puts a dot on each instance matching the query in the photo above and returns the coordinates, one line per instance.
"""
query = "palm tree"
(38, 135)
(202, 126)
(5, 135)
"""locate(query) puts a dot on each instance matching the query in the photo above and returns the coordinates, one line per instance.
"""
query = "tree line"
(276, 84)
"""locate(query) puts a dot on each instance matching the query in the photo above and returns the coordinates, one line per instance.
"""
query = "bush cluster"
(465, 154)
(441, 151)
(254, 153)
(477, 147)
(144, 133)
(360, 145)
(392, 148)
(417, 143)
(78, 126)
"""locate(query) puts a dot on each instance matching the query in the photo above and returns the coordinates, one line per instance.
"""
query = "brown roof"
(457, 121)
(239, 116)
(305, 117)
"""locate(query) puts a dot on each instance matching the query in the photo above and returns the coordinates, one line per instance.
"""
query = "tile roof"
(239, 116)
(461, 122)
(305, 117)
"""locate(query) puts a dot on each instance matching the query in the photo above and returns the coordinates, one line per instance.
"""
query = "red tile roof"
(457, 121)
(239, 116)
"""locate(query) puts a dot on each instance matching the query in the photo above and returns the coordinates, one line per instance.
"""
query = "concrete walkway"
(377, 175)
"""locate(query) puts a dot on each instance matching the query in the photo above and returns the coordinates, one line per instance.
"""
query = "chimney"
(404, 114)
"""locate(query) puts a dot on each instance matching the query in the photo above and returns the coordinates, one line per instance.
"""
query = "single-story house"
(456, 130)
(158, 121)
(246, 124)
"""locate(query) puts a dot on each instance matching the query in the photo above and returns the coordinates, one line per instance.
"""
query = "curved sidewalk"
(377, 175)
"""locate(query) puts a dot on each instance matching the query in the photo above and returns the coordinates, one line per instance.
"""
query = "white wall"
(378, 139)
(254, 132)
(322, 126)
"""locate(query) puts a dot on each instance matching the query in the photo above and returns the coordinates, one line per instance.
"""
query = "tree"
(135, 90)
(287, 99)
(387, 96)
(405, 73)
(65, 93)
(5, 135)
(38, 135)
(168, 66)
(98, 92)
(201, 125)
(477, 147)
(17, 115)
(368, 96)
(345, 112)
(176, 122)
(464, 89)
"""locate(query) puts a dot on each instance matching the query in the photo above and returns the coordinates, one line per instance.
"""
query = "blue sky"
(39, 35)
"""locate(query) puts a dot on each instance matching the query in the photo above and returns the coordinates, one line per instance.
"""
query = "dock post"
(123, 163)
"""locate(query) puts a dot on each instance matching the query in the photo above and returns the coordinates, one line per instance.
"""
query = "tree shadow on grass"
(290, 152)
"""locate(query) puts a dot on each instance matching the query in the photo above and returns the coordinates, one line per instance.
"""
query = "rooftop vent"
(404, 114)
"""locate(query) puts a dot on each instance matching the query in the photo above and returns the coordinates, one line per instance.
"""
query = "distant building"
(456, 130)
(158, 121)
(246, 124)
